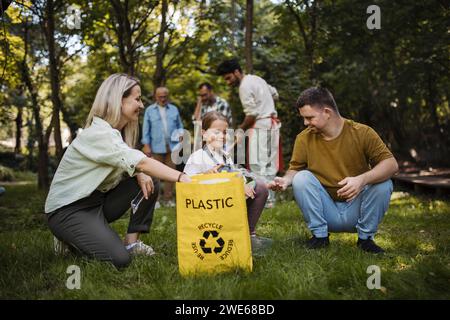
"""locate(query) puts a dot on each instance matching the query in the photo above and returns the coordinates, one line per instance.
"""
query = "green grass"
(415, 233)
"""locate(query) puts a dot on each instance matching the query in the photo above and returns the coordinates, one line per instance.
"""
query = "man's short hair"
(228, 66)
(318, 97)
(205, 84)
(165, 89)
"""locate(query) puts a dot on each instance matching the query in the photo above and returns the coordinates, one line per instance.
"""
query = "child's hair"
(210, 117)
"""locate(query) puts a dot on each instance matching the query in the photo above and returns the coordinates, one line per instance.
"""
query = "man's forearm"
(289, 176)
(248, 122)
(197, 111)
(381, 172)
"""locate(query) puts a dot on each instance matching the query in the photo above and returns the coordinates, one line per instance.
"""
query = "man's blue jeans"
(322, 214)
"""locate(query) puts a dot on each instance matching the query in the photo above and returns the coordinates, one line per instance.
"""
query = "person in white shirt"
(212, 158)
(261, 120)
(89, 190)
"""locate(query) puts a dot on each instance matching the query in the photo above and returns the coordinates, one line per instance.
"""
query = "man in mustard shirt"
(340, 172)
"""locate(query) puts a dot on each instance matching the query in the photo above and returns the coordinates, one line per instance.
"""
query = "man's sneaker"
(260, 245)
(317, 243)
(369, 245)
(140, 248)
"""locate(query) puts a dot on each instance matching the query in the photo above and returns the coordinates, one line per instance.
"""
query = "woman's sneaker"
(140, 248)
(60, 247)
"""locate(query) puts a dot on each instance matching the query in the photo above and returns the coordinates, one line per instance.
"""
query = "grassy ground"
(415, 232)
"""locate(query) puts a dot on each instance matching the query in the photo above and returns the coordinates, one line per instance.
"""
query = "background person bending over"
(339, 171)
(257, 99)
(88, 192)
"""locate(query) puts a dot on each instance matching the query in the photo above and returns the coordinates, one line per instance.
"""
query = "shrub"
(6, 174)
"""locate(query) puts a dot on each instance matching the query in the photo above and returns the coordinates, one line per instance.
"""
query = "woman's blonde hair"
(108, 105)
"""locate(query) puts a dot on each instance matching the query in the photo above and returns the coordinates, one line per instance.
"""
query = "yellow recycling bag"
(212, 225)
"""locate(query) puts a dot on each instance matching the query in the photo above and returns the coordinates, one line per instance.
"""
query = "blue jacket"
(153, 130)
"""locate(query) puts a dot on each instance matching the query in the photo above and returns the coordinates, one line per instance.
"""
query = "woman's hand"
(249, 192)
(146, 184)
(185, 178)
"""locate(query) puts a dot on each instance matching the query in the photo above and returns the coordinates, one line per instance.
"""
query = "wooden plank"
(430, 181)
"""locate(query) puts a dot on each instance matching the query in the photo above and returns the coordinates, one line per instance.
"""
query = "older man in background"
(161, 130)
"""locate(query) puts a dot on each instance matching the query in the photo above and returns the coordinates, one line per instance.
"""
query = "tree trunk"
(49, 31)
(233, 26)
(4, 4)
(73, 126)
(159, 77)
(309, 38)
(43, 180)
(432, 102)
(30, 142)
(124, 36)
(248, 37)
(19, 121)
(313, 26)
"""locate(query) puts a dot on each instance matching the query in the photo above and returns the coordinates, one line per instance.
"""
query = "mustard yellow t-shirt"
(356, 150)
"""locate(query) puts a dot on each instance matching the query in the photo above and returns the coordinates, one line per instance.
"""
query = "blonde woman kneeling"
(88, 190)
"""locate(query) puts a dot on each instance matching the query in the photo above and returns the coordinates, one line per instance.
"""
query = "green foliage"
(394, 79)
(6, 174)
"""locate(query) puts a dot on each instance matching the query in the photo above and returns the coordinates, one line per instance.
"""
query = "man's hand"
(197, 110)
(147, 150)
(146, 184)
(249, 192)
(352, 186)
(278, 184)
(249, 122)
